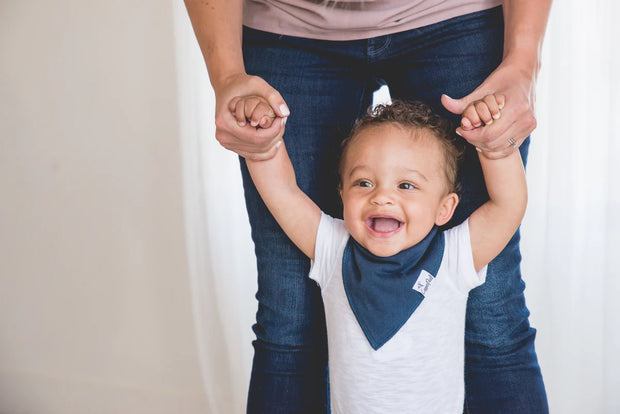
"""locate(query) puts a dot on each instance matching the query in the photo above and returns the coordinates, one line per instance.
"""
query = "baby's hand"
(482, 112)
(253, 110)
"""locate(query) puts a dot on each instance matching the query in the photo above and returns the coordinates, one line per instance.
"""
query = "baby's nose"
(382, 197)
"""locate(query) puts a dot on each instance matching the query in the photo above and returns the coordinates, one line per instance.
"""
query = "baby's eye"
(406, 186)
(364, 183)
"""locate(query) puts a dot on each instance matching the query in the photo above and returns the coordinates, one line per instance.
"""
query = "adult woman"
(323, 61)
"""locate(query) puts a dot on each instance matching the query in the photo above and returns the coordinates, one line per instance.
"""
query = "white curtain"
(219, 248)
(570, 233)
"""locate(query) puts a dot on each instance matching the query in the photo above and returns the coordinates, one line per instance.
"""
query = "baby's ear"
(446, 209)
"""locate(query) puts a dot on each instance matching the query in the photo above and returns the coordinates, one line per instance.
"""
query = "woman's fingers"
(250, 142)
(501, 137)
(243, 125)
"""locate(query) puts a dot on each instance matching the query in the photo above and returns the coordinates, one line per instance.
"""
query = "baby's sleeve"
(331, 237)
(460, 258)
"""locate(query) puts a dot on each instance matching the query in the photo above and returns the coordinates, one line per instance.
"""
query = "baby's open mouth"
(384, 224)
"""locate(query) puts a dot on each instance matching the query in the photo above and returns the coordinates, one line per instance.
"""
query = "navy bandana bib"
(383, 292)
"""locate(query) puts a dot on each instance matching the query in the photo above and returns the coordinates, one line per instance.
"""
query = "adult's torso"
(353, 19)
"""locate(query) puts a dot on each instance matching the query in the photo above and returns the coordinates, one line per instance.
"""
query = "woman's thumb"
(276, 101)
(456, 106)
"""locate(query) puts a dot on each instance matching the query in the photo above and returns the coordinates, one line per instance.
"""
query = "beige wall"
(95, 309)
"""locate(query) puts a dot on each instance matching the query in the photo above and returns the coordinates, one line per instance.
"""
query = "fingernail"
(278, 144)
(284, 110)
(501, 106)
(459, 134)
(490, 122)
(241, 123)
(284, 121)
(497, 115)
(478, 149)
(254, 123)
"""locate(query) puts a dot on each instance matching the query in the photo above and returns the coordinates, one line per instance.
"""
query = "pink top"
(353, 19)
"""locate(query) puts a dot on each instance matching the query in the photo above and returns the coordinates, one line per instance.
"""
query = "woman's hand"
(506, 134)
(251, 142)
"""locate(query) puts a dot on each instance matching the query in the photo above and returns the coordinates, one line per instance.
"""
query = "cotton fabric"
(419, 370)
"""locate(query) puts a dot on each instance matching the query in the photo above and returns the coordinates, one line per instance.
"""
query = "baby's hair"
(416, 116)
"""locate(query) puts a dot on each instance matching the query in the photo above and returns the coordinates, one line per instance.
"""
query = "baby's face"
(394, 188)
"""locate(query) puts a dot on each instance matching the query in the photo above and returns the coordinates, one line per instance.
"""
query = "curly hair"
(416, 116)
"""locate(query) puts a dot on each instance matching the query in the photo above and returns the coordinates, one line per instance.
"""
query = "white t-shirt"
(421, 368)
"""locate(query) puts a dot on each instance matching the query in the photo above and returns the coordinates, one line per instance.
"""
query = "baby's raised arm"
(275, 180)
(493, 224)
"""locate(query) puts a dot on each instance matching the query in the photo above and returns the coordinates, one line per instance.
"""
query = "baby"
(394, 285)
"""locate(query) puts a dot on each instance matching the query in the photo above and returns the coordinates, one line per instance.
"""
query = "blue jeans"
(327, 85)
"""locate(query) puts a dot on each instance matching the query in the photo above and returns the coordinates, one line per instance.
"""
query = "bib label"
(423, 283)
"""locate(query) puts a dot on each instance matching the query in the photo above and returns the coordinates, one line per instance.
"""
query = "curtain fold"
(571, 232)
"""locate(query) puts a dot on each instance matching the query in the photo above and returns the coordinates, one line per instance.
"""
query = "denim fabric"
(327, 85)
